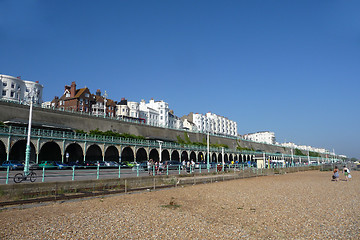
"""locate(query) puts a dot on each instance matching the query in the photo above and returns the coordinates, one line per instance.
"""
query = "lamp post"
(28, 147)
(105, 100)
(160, 142)
(208, 151)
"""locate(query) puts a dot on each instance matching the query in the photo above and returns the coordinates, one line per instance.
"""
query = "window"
(4, 92)
(67, 94)
(4, 84)
(86, 95)
(86, 101)
(27, 90)
(12, 94)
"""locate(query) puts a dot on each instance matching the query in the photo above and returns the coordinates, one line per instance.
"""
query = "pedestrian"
(149, 166)
(346, 172)
(336, 174)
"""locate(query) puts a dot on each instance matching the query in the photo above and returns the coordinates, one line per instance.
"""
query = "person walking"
(346, 172)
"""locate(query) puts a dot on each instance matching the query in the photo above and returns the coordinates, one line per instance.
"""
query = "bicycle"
(19, 177)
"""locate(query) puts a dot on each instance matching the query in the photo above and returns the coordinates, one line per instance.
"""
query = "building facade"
(261, 137)
(212, 123)
(16, 89)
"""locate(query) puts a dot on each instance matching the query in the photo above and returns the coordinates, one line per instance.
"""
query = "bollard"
(98, 171)
(73, 173)
(43, 175)
(7, 174)
(119, 171)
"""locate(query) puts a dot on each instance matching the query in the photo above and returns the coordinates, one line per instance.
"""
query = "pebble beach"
(302, 205)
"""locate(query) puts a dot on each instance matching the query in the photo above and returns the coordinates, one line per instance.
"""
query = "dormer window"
(87, 95)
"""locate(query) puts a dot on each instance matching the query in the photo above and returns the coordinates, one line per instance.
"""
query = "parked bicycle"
(19, 177)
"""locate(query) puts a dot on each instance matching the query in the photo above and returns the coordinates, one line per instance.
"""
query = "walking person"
(346, 172)
(149, 166)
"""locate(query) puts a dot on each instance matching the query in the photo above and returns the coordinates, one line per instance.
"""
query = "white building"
(150, 115)
(212, 123)
(126, 108)
(16, 89)
(261, 137)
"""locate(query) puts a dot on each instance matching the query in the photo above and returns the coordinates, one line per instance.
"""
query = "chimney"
(72, 89)
(98, 92)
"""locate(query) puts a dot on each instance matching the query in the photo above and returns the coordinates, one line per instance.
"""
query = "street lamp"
(160, 142)
(105, 100)
(30, 96)
(208, 151)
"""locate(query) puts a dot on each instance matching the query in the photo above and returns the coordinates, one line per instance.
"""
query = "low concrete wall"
(38, 192)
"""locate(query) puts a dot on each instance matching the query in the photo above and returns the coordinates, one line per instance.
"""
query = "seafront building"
(261, 137)
(155, 113)
(212, 123)
(16, 89)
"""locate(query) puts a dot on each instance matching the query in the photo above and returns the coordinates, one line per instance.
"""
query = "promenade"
(302, 205)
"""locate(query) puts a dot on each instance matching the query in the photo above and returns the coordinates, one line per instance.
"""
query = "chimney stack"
(72, 89)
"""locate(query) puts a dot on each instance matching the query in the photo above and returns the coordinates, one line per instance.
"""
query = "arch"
(141, 155)
(220, 157)
(231, 158)
(165, 155)
(201, 157)
(154, 155)
(50, 151)
(111, 154)
(127, 155)
(193, 156)
(213, 157)
(2, 152)
(184, 156)
(175, 155)
(74, 153)
(226, 159)
(17, 151)
(93, 153)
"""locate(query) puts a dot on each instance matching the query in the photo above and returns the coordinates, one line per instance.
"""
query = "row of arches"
(73, 152)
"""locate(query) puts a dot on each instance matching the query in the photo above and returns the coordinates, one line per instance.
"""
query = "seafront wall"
(42, 116)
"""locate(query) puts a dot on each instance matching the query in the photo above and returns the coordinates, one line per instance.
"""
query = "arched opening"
(2, 152)
(127, 155)
(231, 158)
(175, 156)
(226, 159)
(213, 157)
(74, 153)
(184, 156)
(50, 151)
(141, 155)
(193, 156)
(165, 155)
(220, 158)
(17, 151)
(112, 154)
(154, 155)
(94, 153)
(201, 157)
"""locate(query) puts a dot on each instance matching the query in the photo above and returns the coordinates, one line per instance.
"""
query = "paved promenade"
(303, 205)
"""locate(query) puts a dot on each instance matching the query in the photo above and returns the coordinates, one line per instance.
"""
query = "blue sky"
(291, 67)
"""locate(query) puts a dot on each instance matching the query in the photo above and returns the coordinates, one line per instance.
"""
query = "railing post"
(7, 174)
(98, 171)
(179, 169)
(199, 168)
(119, 171)
(73, 173)
(137, 170)
(167, 170)
(43, 175)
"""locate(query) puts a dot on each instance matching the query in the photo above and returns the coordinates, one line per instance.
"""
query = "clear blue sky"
(291, 67)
